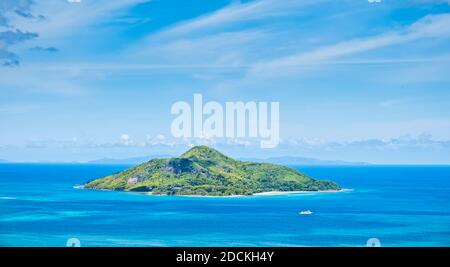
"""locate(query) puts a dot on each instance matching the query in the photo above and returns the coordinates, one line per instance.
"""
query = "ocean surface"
(399, 205)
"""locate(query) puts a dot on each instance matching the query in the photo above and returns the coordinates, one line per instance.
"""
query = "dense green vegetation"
(205, 171)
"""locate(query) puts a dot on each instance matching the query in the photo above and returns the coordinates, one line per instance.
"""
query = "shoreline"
(278, 193)
(268, 194)
(262, 194)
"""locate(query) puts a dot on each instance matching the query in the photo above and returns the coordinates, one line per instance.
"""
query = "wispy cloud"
(393, 102)
(221, 37)
(430, 26)
(236, 13)
(231, 49)
(59, 18)
(14, 35)
(44, 49)
(9, 7)
(18, 109)
(8, 39)
(66, 18)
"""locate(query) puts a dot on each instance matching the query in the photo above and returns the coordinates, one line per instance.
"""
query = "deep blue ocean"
(399, 205)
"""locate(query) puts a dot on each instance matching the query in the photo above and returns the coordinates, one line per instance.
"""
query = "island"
(205, 171)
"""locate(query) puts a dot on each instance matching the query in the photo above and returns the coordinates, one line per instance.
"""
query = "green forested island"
(205, 171)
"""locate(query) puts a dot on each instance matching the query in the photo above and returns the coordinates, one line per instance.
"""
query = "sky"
(356, 80)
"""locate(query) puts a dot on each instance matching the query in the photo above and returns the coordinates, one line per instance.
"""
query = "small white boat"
(305, 212)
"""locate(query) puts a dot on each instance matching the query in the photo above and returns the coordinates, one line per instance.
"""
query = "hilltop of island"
(205, 171)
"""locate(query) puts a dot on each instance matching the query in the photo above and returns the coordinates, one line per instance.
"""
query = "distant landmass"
(3, 161)
(205, 171)
(304, 161)
(135, 160)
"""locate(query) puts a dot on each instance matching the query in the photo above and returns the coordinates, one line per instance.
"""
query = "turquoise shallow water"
(400, 205)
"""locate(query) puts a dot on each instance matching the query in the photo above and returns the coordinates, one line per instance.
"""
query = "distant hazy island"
(205, 171)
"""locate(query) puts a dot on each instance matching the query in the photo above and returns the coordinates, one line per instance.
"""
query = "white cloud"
(125, 139)
(160, 140)
(420, 141)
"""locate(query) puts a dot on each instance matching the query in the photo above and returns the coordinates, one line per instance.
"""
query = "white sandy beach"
(270, 193)
(275, 193)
